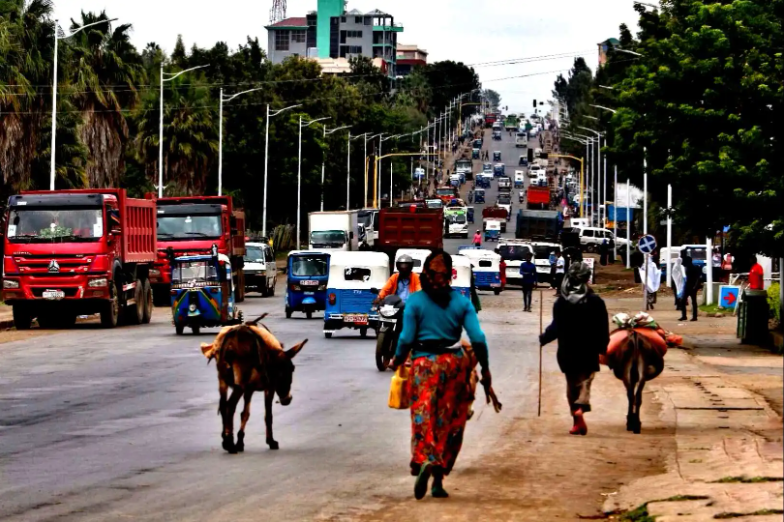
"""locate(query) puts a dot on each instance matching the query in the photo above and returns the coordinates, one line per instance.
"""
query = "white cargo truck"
(338, 230)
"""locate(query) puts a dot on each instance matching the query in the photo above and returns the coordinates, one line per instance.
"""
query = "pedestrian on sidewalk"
(528, 273)
(560, 271)
(678, 282)
(603, 252)
(581, 326)
(552, 259)
(433, 323)
(756, 275)
(691, 287)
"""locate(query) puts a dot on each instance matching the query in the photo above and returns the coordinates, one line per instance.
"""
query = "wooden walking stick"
(541, 312)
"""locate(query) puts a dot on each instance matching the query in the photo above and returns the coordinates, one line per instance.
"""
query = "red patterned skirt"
(440, 401)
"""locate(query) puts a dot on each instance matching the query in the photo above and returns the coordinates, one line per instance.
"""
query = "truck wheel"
(46, 322)
(148, 301)
(135, 312)
(23, 319)
(110, 311)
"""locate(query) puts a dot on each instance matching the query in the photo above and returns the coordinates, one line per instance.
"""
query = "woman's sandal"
(420, 486)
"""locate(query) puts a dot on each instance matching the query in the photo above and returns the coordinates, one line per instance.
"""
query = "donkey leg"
(228, 422)
(637, 404)
(630, 398)
(244, 416)
(223, 389)
(268, 396)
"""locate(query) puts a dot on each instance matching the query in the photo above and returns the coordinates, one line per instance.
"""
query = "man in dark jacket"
(528, 273)
(692, 286)
(581, 326)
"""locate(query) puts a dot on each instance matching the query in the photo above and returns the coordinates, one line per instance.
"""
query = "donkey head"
(283, 372)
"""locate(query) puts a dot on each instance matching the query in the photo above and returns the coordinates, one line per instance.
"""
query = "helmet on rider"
(405, 265)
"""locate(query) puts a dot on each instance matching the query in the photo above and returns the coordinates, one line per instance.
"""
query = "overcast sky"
(472, 31)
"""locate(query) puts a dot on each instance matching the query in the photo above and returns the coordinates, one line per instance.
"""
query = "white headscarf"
(654, 276)
(678, 276)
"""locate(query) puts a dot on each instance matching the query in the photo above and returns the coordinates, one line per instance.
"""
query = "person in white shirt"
(560, 271)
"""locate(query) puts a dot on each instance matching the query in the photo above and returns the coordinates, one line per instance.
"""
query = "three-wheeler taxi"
(461, 275)
(202, 293)
(499, 169)
(483, 181)
(479, 195)
(496, 155)
(352, 277)
(487, 167)
(486, 266)
(475, 153)
(523, 162)
(306, 282)
(492, 229)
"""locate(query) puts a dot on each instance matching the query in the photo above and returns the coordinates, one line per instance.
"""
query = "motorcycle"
(390, 312)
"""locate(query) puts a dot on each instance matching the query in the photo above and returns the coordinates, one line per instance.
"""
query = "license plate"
(53, 295)
(308, 282)
(356, 318)
(543, 270)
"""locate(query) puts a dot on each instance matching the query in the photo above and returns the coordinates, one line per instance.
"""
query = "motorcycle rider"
(402, 283)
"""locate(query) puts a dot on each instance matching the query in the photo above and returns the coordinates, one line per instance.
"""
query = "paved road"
(105, 425)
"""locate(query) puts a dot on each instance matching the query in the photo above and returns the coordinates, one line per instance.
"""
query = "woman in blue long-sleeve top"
(433, 323)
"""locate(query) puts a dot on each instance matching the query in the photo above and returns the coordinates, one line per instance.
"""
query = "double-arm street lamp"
(299, 169)
(598, 172)
(378, 182)
(167, 77)
(266, 164)
(60, 35)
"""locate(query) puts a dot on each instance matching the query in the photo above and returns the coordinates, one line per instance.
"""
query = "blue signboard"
(623, 212)
(728, 296)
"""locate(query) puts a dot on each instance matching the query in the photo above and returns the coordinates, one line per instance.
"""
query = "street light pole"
(645, 191)
(266, 165)
(299, 172)
(57, 38)
(171, 77)
(323, 161)
(220, 132)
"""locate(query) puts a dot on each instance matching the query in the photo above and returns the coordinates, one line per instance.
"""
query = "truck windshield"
(189, 227)
(513, 252)
(194, 272)
(309, 266)
(327, 238)
(39, 225)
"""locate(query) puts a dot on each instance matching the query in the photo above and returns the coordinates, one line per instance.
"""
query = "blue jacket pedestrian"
(528, 272)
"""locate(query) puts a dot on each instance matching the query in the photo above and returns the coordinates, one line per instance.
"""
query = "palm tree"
(104, 69)
(190, 135)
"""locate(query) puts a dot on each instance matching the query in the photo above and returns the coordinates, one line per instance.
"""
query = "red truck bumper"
(80, 294)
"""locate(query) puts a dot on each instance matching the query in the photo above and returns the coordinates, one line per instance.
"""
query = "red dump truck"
(78, 252)
(411, 227)
(538, 197)
(495, 212)
(190, 226)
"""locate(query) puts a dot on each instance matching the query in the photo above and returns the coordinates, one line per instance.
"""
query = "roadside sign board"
(728, 296)
(647, 244)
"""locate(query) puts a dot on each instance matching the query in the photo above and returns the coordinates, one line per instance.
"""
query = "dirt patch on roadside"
(539, 472)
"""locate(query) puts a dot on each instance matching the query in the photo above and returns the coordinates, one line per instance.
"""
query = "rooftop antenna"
(278, 11)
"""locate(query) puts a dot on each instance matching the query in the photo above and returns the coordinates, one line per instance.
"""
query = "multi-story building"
(332, 32)
(408, 57)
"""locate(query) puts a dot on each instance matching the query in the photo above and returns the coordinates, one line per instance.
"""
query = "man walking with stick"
(581, 326)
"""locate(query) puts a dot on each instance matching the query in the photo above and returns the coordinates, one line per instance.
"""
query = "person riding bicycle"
(402, 283)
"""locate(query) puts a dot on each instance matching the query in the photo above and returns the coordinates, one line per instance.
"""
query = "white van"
(591, 238)
(261, 271)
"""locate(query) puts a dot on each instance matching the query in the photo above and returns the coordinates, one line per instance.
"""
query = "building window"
(342, 19)
(357, 19)
(353, 34)
(299, 36)
(282, 39)
(368, 20)
(350, 49)
(342, 37)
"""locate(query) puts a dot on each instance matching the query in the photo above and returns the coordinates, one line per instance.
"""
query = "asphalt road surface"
(100, 425)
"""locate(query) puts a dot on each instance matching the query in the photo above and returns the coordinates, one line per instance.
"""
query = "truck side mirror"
(114, 221)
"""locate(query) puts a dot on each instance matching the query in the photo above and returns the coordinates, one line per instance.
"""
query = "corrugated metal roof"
(294, 21)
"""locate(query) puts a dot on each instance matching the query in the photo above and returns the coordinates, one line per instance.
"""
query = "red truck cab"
(78, 252)
(190, 226)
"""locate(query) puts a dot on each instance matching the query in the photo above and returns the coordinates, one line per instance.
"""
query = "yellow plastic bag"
(399, 398)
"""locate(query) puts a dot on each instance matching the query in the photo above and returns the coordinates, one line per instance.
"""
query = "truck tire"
(23, 319)
(46, 322)
(134, 313)
(110, 311)
(148, 301)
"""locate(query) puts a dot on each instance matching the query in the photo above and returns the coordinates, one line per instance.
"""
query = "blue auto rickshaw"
(496, 155)
(470, 214)
(479, 194)
(478, 144)
(475, 153)
(492, 229)
(499, 170)
(306, 283)
(202, 293)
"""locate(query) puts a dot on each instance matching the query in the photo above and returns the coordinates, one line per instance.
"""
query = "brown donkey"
(635, 361)
(249, 359)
